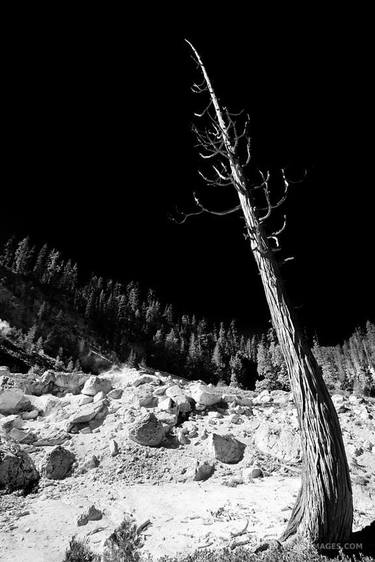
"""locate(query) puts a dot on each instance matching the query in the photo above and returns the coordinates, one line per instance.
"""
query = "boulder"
(166, 404)
(263, 397)
(22, 436)
(150, 379)
(144, 397)
(203, 470)
(226, 448)
(17, 470)
(46, 404)
(92, 514)
(9, 422)
(203, 395)
(115, 393)
(282, 443)
(51, 437)
(147, 430)
(89, 464)
(58, 463)
(95, 411)
(99, 396)
(179, 397)
(13, 401)
(113, 448)
(94, 384)
(60, 382)
(83, 400)
(32, 415)
(253, 472)
(167, 419)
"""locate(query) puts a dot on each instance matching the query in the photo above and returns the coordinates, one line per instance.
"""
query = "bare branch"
(185, 216)
(218, 213)
(278, 232)
(260, 185)
(204, 111)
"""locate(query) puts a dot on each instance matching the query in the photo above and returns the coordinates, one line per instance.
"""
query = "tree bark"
(324, 508)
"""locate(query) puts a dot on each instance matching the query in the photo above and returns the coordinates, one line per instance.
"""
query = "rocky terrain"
(199, 465)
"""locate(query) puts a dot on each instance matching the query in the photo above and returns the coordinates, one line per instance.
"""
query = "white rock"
(263, 397)
(30, 415)
(113, 448)
(150, 379)
(165, 404)
(94, 384)
(99, 396)
(13, 401)
(204, 395)
(83, 400)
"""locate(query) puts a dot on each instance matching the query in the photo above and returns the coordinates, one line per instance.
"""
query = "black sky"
(98, 152)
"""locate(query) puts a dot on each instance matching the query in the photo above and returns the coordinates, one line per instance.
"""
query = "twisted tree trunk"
(324, 509)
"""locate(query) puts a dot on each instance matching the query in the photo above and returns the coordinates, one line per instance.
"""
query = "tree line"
(137, 328)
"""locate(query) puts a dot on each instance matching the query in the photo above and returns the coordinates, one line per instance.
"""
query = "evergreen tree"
(21, 256)
(7, 255)
(41, 262)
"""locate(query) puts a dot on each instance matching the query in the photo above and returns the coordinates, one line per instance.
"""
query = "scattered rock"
(86, 414)
(147, 430)
(94, 384)
(30, 415)
(167, 419)
(214, 415)
(263, 397)
(51, 437)
(151, 379)
(113, 448)
(22, 436)
(180, 399)
(13, 401)
(280, 442)
(47, 405)
(252, 472)
(91, 463)
(83, 400)
(144, 397)
(9, 422)
(115, 393)
(58, 463)
(166, 404)
(203, 470)
(226, 448)
(92, 514)
(203, 396)
(17, 470)
(60, 382)
(181, 437)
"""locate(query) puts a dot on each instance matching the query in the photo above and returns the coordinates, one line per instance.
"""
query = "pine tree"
(21, 256)
(41, 262)
(7, 255)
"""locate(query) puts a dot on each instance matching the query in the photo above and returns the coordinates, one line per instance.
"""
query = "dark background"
(98, 151)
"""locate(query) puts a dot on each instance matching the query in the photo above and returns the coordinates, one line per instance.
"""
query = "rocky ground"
(203, 466)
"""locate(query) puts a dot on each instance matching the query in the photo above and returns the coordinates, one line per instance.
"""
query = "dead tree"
(324, 509)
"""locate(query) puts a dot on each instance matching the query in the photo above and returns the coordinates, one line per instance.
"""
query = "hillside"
(90, 324)
(149, 445)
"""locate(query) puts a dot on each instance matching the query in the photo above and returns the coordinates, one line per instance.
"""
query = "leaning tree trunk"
(324, 509)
